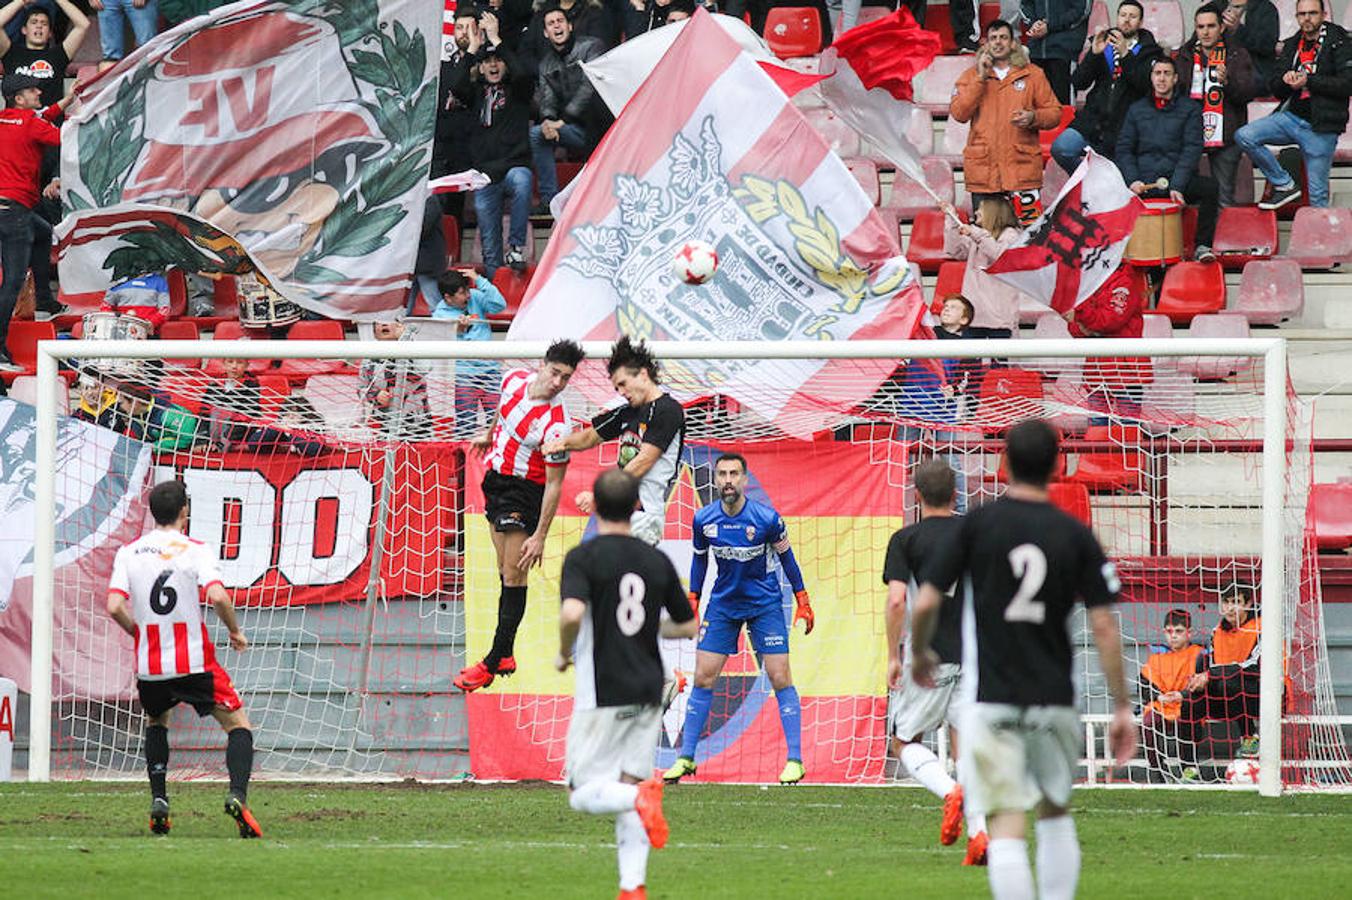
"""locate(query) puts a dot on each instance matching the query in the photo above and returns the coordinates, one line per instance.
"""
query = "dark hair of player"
(167, 500)
(1135, 3)
(1239, 592)
(1213, 8)
(616, 495)
(1031, 447)
(935, 481)
(998, 24)
(565, 352)
(731, 457)
(627, 354)
(1178, 617)
(452, 282)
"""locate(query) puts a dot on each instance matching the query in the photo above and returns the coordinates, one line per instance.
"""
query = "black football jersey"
(908, 552)
(1027, 563)
(625, 584)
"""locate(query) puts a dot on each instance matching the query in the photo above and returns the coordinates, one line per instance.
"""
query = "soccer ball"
(1242, 771)
(695, 263)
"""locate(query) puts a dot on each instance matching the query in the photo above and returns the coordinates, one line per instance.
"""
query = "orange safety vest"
(1170, 671)
(1230, 645)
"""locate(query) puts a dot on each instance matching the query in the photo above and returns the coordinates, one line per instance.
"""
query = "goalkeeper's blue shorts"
(767, 627)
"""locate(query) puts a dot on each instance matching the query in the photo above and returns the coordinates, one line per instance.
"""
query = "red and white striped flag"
(1070, 251)
(729, 160)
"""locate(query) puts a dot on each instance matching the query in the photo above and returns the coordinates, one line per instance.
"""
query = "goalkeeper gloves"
(694, 604)
(804, 612)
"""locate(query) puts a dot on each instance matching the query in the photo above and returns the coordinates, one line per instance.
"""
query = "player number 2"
(1030, 567)
(630, 613)
(163, 598)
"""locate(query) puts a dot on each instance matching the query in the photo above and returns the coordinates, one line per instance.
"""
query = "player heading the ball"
(650, 427)
(521, 486)
(1028, 562)
(613, 590)
(159, 575)
(751, 544)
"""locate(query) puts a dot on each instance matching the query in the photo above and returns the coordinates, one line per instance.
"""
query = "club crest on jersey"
(711, 531)
(751, 532)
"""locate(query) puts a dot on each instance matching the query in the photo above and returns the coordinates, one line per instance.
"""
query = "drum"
(1157, 239)
(111, 326)
(262, 307)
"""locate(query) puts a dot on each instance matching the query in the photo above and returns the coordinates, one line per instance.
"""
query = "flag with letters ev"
(300, 129)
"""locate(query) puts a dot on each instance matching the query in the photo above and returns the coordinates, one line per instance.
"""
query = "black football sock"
(239, 760)
(157, 760)
(511, 610)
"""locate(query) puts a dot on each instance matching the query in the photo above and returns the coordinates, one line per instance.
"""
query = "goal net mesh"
(345, 507)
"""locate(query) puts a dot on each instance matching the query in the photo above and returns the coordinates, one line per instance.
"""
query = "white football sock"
(975, 822)
(631, 845)
(602, 798)
(1007, 867)
(926, 768)
(1058, 858)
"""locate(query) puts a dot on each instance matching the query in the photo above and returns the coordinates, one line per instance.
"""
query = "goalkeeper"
(751, 544)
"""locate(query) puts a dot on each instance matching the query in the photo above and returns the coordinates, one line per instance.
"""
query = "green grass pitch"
(498, 841)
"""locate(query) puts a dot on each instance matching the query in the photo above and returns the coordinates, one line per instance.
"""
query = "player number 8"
(630, 613)
(1030, 567)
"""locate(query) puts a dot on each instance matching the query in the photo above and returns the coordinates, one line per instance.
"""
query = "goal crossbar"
(1272, 351)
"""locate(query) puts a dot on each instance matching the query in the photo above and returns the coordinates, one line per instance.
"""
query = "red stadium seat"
(1156, 326)
(1098, 20)
(1243, 234)
(181, 330)
(937, 21)
(450, 231)
(934, 86)
(919, 131)
(1342, 151)
(272, 390)
(313, 330)
(1191, 289)
(865, 171)
(1271, 291)
(1330, 512)
(1215, 368)
(1165, 18)
(926, 245)
(1016, 392)
(178, 291)
(909, 198)
(949, 282)
(1118, 469)
(1073, 499)
(954, 141)
(793, 31)
(839, 136)
(1320, 237)
(1045, 138)
(231, 330)
(22, 344)
(513, 285)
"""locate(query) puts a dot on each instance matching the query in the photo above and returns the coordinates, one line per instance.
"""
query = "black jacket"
(1330, 85)
(1156, 143)
(1067, 23)
(563, 90)
(1259, 34)
(1108, 100)
(1241, 83)
(504, 142)
(589, 19)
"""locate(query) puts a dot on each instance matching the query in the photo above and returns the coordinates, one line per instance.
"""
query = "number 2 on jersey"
(1030, 567)
(629, 614)
(163, 598)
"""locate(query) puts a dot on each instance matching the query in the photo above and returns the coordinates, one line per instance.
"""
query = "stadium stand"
(1320, 238)
(1270, 291)
(1216, 325)
(909, 199)
(1244, 234)
(1331, 514)
(793, 31)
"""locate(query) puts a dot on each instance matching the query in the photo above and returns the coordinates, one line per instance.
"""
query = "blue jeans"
(144, 25)
(574, 137)
(488, 207)
(16, 242)
(1068, 149)
(1288, 128)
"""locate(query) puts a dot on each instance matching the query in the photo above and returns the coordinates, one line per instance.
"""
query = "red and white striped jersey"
(523, 425)
(161, 573)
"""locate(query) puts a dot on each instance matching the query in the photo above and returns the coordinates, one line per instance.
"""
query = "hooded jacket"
(1000, 156)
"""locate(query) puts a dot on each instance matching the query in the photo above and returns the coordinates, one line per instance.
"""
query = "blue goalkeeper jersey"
(746, 547)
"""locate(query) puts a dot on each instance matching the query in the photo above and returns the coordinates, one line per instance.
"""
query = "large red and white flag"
(869, 72)
(101, 478)
(726, 159)
(301, 129)
(1069, 252)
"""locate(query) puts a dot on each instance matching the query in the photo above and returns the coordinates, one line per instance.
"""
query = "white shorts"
(648, 526)
(1012, 757)
(609, 741)
(914, 710)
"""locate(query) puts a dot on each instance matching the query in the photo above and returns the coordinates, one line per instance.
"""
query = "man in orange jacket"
(1163, 680)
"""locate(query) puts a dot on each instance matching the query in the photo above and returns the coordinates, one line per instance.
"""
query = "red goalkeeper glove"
(804, 612)
(694, 604)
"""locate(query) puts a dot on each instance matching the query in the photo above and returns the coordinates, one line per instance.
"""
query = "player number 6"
(630, 612)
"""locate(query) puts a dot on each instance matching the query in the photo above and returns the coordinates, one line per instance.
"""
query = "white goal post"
(1272, 352)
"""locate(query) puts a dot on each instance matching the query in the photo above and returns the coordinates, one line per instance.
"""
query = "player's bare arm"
(570, 622)
(644, 460)
(924, 618)
(225, 611)
(1108, 640)
(484, 440)
(533, 548)
(117, 610)
(894, 618)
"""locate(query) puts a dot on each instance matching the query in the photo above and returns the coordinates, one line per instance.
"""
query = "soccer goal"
(344, 503)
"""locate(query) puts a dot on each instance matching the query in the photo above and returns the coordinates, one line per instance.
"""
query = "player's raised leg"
(708, 666)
